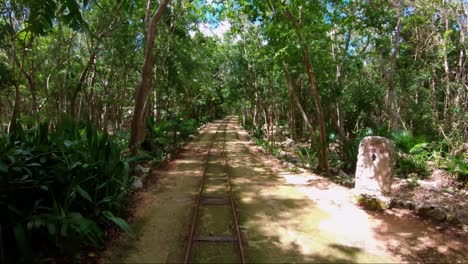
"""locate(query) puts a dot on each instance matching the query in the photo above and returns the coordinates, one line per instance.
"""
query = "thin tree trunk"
(80, 83)
(15, 113)
(434, 96)
(292, 122)
(323, 146)
(448, 90)
(144, 88)
(298, 104)
(388, 75)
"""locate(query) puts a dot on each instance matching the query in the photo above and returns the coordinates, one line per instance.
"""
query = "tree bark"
(80, 83)
(298, 104)
(144, 88)
(339, 81)
(292, 117)
(448, 89)
(323, 146)
(388, 75)
(15, 114)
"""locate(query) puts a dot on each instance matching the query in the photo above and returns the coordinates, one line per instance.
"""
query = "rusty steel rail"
(214, 200)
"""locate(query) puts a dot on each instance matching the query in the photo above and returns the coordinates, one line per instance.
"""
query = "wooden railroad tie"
(215, 239)
(214, 200)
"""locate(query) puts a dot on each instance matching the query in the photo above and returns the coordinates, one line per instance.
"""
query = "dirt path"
(284, 216)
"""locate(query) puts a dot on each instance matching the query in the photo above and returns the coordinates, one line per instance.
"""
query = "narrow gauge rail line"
(215, 200)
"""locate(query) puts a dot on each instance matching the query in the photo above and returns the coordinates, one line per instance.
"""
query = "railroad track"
(226, 199)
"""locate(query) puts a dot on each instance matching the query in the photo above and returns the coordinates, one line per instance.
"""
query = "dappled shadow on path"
(417, 239)
(281, 224)
(164, 209)
(292, 217)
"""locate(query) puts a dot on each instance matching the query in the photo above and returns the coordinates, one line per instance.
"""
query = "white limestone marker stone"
(374, 170)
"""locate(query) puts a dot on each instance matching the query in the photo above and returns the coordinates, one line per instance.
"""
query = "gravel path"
(284, 216)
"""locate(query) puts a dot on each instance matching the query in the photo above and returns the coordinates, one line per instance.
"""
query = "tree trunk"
(292, 120)
(244, 114)
(80, 83)
(144, 88)
(34, 103)
(323, 146)
(15, 114)
(448, 90)
(298, 104)
(392, 106)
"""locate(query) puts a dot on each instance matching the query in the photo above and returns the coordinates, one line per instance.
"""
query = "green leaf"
(69, 143)
(119, 221)
(3, 167)
(34, 165)
(64, 230)
(51, 227)
(22, 242)
(30, 225)
(84, 193)
(106, 200)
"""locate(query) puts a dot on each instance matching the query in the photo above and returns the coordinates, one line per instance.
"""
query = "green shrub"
(59, 189)
(412, 154)
(307, 156)
(167, 135)
(350, 149)
(458, 167)
(409, 164)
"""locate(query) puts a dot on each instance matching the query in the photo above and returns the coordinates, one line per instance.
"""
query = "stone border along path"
(284, 216)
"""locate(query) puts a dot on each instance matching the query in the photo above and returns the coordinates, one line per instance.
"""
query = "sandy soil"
(163, 212)
(284, 216)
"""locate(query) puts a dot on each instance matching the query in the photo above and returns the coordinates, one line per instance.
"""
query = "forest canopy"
(89, 87)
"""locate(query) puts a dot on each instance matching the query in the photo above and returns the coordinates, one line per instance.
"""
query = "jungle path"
(284, 216)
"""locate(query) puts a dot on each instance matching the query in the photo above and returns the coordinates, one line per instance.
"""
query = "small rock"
(464, 228)
(192, 136)
(437, 214)
(334, 171)
(409, 205)
(288, 143)
(424, 208)
(143, 176)
(137, 183)
(396, 203)
(453, 219)
(282, 153)
(450, 190)
(372, 202)
(447, 194)
(343, 174)
(428, 185)
(140, 170)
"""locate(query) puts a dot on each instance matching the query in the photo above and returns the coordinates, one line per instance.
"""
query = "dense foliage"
(385, 68)
(59, 189)
(323, 73)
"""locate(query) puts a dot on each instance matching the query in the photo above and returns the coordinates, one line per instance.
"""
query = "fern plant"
(458, 167)
(307, 156)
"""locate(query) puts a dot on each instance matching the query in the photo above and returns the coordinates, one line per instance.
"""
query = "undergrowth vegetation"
(168, 135)
(62, 187)
(416, 156)
(59, 189)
